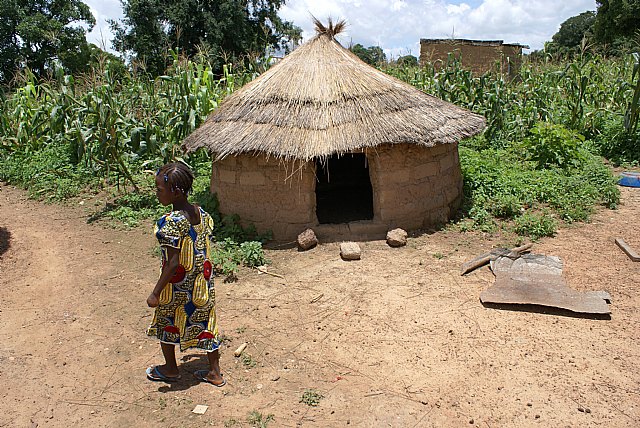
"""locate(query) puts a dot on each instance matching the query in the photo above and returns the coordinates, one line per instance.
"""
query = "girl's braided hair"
(178, 176)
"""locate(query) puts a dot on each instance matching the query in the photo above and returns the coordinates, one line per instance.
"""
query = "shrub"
(499, 184)
(46, 173)
(536, 225)
(551, 145)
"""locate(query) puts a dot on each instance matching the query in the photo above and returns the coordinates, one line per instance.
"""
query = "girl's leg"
(214, 376)
(170, 369)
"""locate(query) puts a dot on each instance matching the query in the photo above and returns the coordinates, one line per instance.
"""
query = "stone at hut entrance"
(350, 251)
(307, 240)
(397, 238)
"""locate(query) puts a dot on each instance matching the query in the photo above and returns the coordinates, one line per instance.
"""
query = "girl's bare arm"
(168, 270)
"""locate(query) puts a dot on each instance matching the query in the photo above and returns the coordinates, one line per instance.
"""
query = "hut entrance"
(343, 189)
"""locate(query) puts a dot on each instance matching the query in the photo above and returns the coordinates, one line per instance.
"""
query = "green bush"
(311, 397)
(252, 254)
(228, 255)
(536, 225)
(505, 183)
(550, 145)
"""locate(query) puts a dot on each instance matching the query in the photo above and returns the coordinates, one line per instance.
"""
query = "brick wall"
(272, 194)
(414, 187)
(478, 56)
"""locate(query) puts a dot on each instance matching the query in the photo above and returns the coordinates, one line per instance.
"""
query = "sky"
(398, 25)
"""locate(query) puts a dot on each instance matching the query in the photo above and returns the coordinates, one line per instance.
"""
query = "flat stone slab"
(535, 279)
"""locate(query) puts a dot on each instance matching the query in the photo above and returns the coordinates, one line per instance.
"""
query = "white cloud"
(398, 25)
(457, 9)
(398, 5)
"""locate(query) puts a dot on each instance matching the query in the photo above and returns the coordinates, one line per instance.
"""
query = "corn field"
(111, 123)
(580, 95)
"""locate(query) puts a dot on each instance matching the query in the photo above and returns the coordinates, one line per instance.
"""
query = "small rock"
(587, 410)
(307, 240)
(581, 409)
(275, 378)
(471, 421)
(397, 238)
(529, 404)
(350, 251)
(537, 416)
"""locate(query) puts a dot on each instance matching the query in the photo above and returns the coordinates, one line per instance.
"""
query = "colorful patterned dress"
(186, 314)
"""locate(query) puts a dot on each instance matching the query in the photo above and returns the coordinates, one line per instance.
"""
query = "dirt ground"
(397, 339)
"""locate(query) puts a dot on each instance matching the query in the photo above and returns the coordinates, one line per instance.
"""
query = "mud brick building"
(479, 56)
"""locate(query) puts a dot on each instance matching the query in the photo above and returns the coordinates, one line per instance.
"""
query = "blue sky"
(398, 25)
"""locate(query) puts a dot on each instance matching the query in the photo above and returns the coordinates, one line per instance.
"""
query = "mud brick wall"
(478, 56)
(414, 186)
(272, 194)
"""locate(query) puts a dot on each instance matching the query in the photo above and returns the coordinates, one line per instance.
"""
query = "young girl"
(184, 295)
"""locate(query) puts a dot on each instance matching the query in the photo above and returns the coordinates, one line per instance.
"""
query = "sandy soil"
(397, 339)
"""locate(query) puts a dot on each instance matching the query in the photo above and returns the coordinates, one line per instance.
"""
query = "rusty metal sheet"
(535, 279)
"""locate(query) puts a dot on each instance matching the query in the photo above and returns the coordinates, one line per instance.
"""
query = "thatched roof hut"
(305, 114)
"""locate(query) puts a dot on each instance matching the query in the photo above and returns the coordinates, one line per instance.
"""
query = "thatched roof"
(322, 99)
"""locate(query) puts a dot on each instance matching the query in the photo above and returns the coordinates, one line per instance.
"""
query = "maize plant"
(113, 122)
(633, 110)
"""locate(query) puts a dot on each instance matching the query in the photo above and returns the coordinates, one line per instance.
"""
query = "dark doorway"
(343, 189)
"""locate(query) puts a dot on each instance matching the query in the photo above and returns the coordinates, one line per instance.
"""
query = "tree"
(373, 55)
(223, 28)
(37, 33)
(407, 61)
(573, 30)
(616, 20)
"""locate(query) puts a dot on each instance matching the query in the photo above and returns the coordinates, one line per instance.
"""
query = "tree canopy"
(617, 21)
(407, 61)
(373, 55)
(617, 25)
(35, 33)
(573, 30)
(614, 28)
(223, 28)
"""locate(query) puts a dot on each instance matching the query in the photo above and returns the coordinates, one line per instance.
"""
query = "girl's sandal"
(201, 375)
(154, 374)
